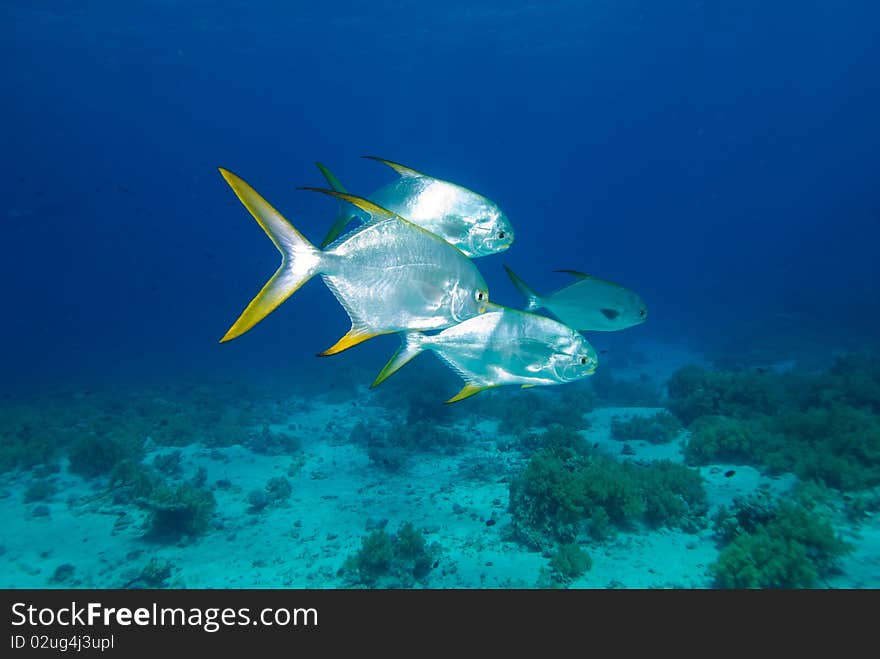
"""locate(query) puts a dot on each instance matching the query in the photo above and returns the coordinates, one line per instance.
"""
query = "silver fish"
(589, 304)
(463, 218)
(389, 275)
(502, 346)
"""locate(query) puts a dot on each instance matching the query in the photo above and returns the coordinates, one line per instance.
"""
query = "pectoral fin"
(469, 390)
(397, 167)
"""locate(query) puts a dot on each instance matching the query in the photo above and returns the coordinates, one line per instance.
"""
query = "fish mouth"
(504, 245)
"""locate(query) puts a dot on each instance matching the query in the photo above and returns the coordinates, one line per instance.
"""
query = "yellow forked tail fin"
(300, 260)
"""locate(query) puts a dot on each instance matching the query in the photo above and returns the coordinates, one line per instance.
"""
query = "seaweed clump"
(774, 544)
(185, 510)
(270, 442)
(619, 392)
(385, 560)
(392, 446)
(40, 490)
(96, 454)
(659, 428)
(823, 427)
(96, 429)
(565, 491)
(277, 491)
(568, 563)
(518, 416)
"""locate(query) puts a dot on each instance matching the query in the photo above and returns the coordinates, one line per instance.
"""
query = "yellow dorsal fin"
(575, 273)
(469, 390)
(377, 212)
(403, 170)
(584, 275)
(351, 338)
(346, 215)
(331, 178)
(364, 204)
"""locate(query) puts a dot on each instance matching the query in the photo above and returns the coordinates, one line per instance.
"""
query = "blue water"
(718, 158)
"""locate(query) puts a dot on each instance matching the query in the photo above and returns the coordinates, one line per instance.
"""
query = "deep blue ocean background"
(719, 158)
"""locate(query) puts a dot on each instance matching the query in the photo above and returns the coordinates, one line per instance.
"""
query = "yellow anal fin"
(527, 386)
(403, 170)
(469, 390)
(351, 338)
(411, 345)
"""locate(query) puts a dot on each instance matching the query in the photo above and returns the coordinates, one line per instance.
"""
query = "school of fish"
(400, 261)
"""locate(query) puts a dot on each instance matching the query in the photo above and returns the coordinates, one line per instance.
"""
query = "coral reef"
(774, 544)
(176, 511)
(539, 408)
(557, 438)
(563, 493)
(96, 454)
(617, 392)
(390, 446)
(98, 428)
(63, 575)
(568, 563)
(182, 511)
(40, 490)
(819, 426)
(659, 428)
(269, 442)
(695, 391)
(169, 463)
(277, 490)
(154, 574)
(401, 560)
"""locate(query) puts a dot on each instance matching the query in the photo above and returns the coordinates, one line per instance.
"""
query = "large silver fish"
(502, 346)
(463, 218)
(389, 275)
(589, 304)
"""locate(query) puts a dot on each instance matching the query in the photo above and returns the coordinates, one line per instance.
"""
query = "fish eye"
(501, 234)
(642, 313)
(481, 296)
(584, 361)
